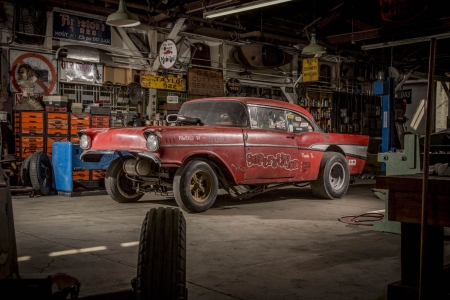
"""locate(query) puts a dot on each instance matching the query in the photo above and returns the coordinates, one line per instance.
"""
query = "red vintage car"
(245, 146)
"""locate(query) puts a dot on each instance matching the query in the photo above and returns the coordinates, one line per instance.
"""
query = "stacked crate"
(29, 131)
(57, 129)
(77, 123)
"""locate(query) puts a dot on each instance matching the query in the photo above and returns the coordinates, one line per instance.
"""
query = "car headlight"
(85, 141)
(152, 143)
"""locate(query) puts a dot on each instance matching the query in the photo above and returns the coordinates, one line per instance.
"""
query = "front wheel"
(195, 186)
(118, 185)
(334, 177)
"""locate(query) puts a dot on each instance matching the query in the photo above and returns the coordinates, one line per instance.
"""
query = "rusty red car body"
(244, 145)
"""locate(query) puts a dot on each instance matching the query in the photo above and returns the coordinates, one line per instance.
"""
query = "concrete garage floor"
(280, 245)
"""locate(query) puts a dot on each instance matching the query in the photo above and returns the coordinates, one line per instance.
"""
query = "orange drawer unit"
(98, 174)
(100, 122)
(29, 122)
(29, 129)
(81, 175)
(74, 128)
(27, 145)
(78, 122)
(53, 139)
(57, 124)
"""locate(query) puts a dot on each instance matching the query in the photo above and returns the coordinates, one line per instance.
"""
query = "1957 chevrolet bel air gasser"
(245, 146)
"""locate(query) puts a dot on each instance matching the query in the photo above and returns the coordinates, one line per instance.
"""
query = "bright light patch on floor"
(75, 251)
(376, 211)
(23, 258)
(130, 244)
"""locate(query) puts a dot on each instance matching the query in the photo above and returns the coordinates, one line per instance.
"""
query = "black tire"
(161, 271)
(25, 171)
(41, 173)
(118, 186)
(334, 177)
(195, 186)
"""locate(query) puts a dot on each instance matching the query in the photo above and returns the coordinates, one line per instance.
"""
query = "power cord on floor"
(366, 219)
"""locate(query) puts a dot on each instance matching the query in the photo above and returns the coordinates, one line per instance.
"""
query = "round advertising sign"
(233, 86)
(168, 54)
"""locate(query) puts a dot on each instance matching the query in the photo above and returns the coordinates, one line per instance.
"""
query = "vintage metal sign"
(43, 68)
(233, 86)
(205, 82)
(80, 72)
(310, 69)
(168, 54)
(80, 28)
(163, 83)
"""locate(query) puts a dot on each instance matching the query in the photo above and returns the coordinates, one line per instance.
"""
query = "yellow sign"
(310, 69)
(163, 83)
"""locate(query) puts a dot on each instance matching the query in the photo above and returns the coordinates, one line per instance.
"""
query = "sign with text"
(407, 95)
(79, 28)
(80, 72)
(168, 54)
(310, 69)
(163, 83)
(205, 82)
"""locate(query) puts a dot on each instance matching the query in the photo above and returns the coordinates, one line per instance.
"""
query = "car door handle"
(290, 137)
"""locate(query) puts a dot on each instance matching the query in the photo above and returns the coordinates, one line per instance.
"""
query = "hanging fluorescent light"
(122, 17)
(240, 8)
(313, 48)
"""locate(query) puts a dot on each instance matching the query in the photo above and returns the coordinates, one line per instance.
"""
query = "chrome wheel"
(337, 176)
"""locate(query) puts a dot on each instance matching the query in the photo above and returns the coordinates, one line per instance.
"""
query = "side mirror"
(172, 118)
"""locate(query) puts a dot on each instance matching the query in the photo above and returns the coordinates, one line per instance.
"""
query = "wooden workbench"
(405, 206)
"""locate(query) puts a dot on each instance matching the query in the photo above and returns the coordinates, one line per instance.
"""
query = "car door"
(270, 150)
(305, 136)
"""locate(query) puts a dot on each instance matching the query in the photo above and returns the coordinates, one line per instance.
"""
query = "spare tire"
(25, 171)
(161, 271)
(41, 173)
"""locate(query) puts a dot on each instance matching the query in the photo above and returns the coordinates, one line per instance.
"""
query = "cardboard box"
(118, 75)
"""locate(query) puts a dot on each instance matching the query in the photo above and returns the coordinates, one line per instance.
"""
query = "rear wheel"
(118, 186)
(195, 186)
(334, 177)
(161, 272)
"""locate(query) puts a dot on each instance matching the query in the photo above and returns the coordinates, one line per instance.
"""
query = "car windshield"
(223, 113)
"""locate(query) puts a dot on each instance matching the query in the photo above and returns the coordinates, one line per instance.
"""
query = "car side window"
(268, 118)
(298, 123)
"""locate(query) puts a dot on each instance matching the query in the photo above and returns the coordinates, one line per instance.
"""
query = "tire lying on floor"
(161, 271)
(41, 173)
(334, 177)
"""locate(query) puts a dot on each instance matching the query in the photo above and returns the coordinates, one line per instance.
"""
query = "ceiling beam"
(407, 29)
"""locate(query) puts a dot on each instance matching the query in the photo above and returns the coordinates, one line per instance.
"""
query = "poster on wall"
(43, 67)
(80, 28)
(205, 82)
(80, 72)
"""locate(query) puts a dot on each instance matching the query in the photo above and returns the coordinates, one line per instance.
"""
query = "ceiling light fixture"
(122, 17)
(313, 48)
(240, 8)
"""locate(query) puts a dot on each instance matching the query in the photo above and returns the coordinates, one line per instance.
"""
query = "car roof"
(260, 101)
